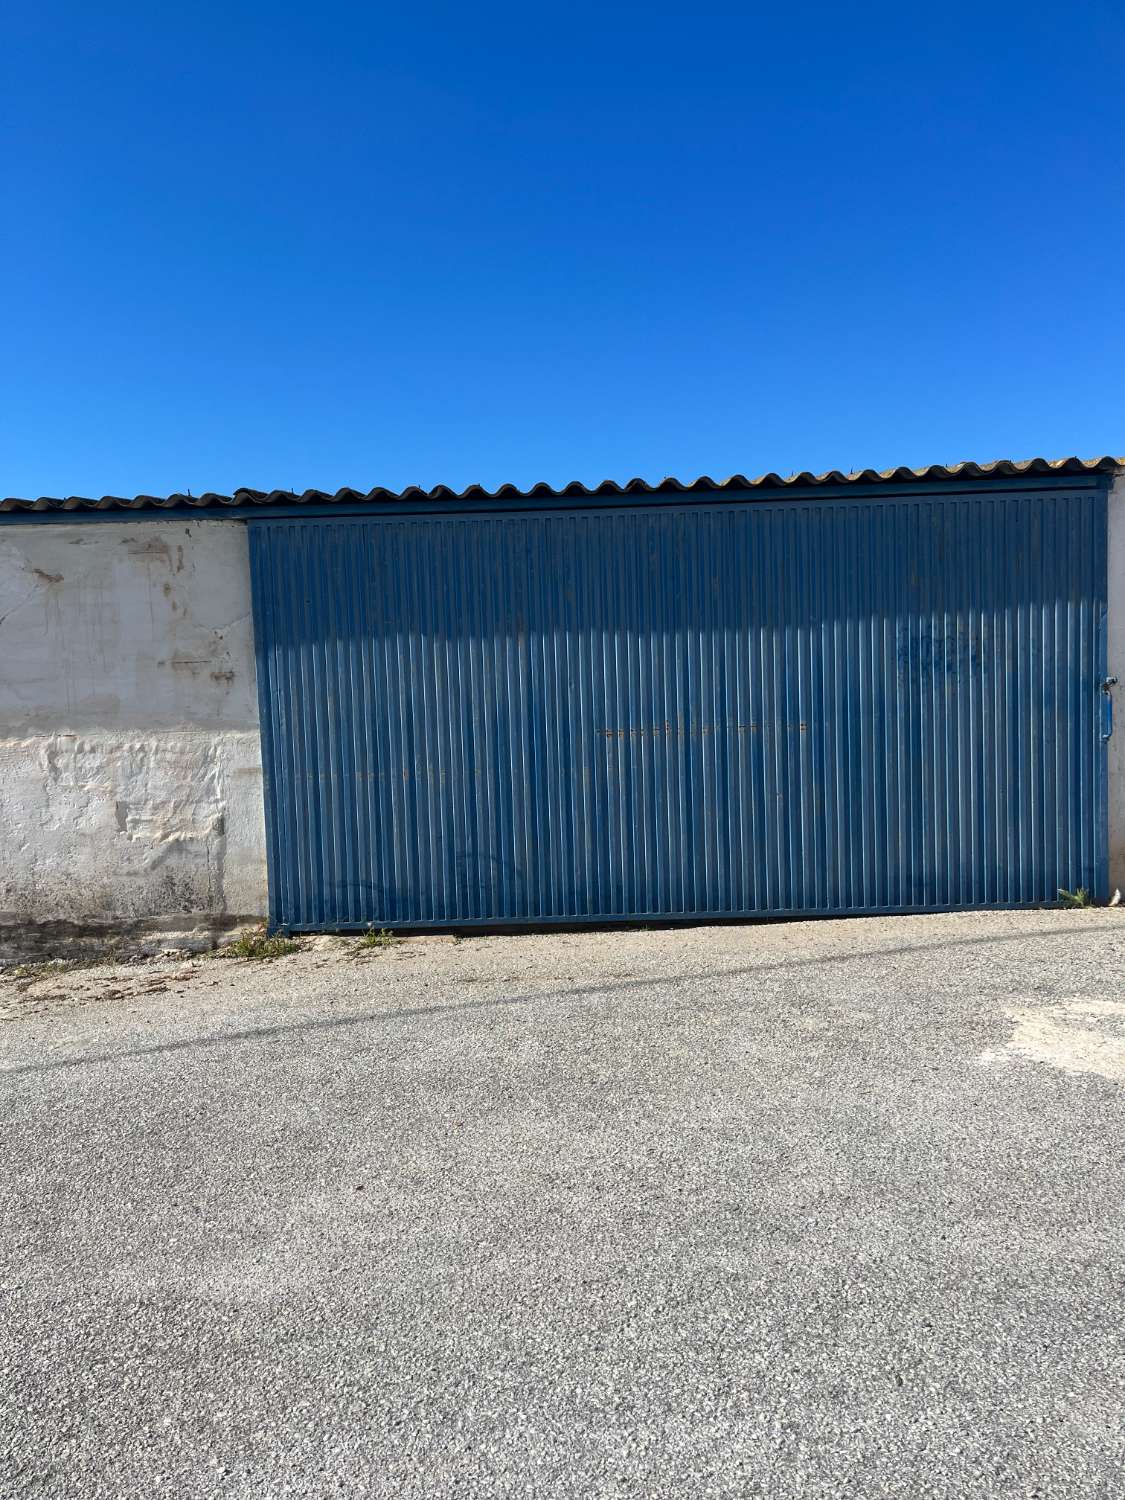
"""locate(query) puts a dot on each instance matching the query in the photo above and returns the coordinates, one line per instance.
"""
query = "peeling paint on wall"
(106, 825)
(130, 762)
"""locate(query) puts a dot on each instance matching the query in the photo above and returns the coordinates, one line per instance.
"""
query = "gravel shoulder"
(828, 1208)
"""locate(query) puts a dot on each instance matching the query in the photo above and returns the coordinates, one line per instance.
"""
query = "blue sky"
(314, 245)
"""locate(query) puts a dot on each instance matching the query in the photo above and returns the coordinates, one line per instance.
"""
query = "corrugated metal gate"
(683, 710)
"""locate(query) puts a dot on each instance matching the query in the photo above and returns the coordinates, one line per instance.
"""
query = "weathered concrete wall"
(130, 764)
(1116, 655)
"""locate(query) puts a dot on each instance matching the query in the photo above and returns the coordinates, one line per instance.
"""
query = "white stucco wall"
(130, 763)
(1116, 663)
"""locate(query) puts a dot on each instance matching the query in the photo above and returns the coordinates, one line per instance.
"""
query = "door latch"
(1108, 683)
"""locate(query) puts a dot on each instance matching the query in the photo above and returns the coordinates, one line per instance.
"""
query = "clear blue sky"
(340, 243)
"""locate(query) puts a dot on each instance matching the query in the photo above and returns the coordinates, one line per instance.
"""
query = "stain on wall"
(143, 625)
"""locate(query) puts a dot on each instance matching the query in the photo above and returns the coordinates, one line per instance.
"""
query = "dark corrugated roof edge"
(246, 499)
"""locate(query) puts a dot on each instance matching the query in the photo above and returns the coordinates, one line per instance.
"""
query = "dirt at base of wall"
(27, 942)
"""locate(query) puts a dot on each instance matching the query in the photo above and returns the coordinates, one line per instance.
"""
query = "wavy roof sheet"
(247, 499)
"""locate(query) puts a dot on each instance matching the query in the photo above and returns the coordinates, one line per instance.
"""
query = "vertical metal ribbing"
(661, 711)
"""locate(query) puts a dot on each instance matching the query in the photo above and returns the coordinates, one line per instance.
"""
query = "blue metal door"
(683, 710)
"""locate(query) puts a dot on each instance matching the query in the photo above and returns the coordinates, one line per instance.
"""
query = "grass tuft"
(41, 970)
(1079, 898)
(44, 968)
(377, 939)
(258, 945)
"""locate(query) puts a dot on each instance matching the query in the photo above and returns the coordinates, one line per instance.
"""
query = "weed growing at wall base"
(48, 967)
(377, 939)
(258, 945)
(1080, 897)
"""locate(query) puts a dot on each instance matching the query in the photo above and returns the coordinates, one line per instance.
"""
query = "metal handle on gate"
(1108, 684)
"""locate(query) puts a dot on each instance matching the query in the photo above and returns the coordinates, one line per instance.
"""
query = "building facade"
(830, 694)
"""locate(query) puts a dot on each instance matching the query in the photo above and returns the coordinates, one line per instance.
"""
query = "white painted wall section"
(130, 763)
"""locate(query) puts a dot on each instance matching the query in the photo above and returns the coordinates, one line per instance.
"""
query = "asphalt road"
(832, 1209)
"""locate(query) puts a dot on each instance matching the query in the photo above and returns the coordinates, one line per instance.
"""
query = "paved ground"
(835, 1209)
